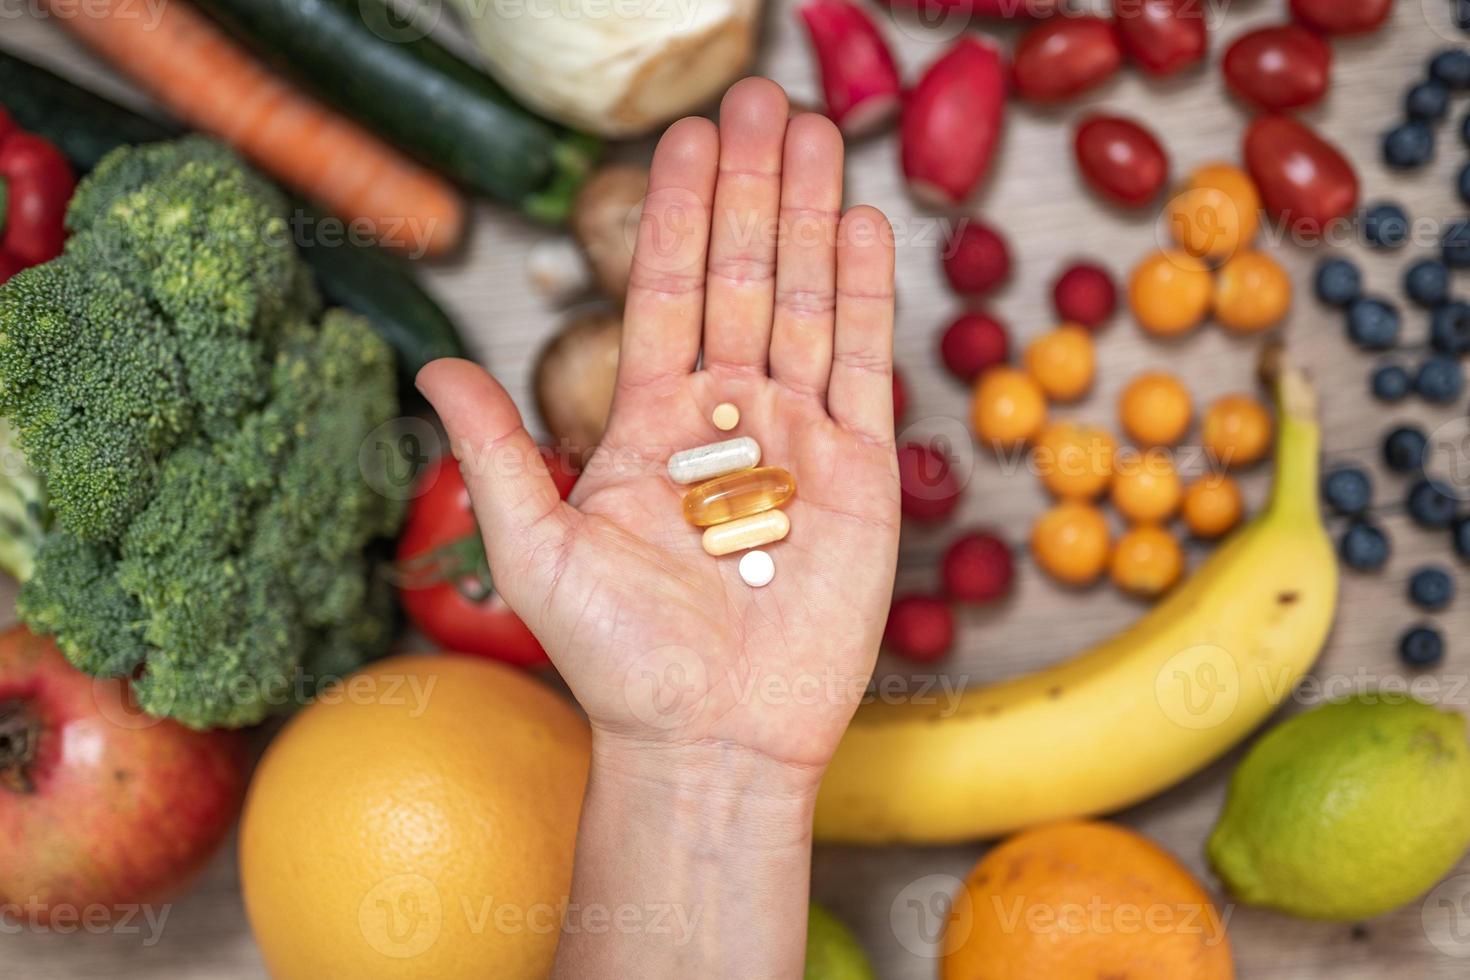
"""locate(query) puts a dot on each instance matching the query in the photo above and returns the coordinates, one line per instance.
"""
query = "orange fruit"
(1212, 505)
(1252, 292)
(1070, 542)
(1074, 460)
(1236, 431)
(1008, 408)
(1063, 362)
(417, 820)
(1146, 487)
(1216, 211)
(1147, 561)
(1083, 900)
(1155, 409)
(1170, 293)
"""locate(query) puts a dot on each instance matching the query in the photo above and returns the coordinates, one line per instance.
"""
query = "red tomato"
(1120, 159)
(1342, 16)
(1302, 178)
(460, 612)
(1284, 67)
(1063, 57)
(1162, 36)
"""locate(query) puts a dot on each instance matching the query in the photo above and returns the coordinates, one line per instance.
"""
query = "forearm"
(690, 862)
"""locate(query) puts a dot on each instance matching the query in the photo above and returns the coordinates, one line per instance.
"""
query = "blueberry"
(1348, 490)
(1440, 379)
(1449, 328)
(1431, 587)
(1462, 183)
(1456, 245)
(1421, 646)
(1427, 282)
(1431, 504)
(1363, 547)
(1460, 535)
(1391, 383)
(1372, 324)
(1404, 449)
(1338, 282)
(1451, 68)
(1427, 101)
(1385, 225)
(1408, 145)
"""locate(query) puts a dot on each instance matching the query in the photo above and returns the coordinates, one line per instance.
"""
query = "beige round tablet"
(725, 417)
(757, 569)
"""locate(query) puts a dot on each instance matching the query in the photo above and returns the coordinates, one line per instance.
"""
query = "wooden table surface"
(1035, 196)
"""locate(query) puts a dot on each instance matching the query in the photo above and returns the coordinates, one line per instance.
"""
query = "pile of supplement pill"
(734, 499)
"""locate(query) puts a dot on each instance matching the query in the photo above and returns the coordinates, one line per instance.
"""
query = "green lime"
(1347, 811)
(832, 951)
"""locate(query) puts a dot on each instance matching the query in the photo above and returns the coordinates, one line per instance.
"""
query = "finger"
(665, 305)
(860, 394)
(522, 517)
(806, 257)
(741, 288)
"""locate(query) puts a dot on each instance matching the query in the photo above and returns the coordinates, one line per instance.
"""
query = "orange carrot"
(209, 81)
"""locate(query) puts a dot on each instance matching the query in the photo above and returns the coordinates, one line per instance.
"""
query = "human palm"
(746, 288)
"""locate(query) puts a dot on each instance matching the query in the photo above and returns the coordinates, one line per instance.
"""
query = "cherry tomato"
(1120, 159)
(1342, 16)
(1304, 181)
(1283, 67)
(1065, 56)
(445, 582)
(1162, 36)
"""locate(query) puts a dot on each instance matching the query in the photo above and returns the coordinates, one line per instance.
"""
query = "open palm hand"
(749, 286)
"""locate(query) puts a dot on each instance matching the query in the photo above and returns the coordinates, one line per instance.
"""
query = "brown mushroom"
(605, 222)
(575, 376)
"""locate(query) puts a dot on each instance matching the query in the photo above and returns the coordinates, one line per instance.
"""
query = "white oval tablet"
(757, 568)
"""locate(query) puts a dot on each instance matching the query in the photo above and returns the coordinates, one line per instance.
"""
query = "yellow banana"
(1123, 720)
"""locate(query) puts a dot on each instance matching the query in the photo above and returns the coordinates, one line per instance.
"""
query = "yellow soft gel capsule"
(737, 495)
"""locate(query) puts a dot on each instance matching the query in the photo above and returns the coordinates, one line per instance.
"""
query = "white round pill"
(757, 569)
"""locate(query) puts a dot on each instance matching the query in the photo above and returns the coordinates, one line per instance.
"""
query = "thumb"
(521, 514)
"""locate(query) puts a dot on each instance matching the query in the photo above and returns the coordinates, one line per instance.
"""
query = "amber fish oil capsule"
(746, 533)
(715, 459)
(736, 495)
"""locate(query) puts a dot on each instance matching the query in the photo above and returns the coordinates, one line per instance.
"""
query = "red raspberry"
(977, 568)
(920, 627)
(975, 258)
(1085, 294)
(927, 485)
(972, 343)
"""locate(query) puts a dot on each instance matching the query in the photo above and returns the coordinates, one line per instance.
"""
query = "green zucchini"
(86, 127)
(418, 95)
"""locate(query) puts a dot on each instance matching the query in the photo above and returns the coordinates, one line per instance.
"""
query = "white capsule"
(716, 459)
(757, 569)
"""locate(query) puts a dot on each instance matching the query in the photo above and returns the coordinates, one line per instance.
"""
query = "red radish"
(928, 490)
(900, 396)
(1065, 56)
(859, 79)
(972, 343)
(1162, 36)
(952, 121)
(1085, 294)
(1283, 67)
(1005, 9)
(102, 808)
(1121, 160)
(977, 567)
(976, 259)
(920, 627)
(1304, 181)
(1342, 16)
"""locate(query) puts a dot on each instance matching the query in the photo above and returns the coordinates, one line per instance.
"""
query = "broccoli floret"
(197, 428)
